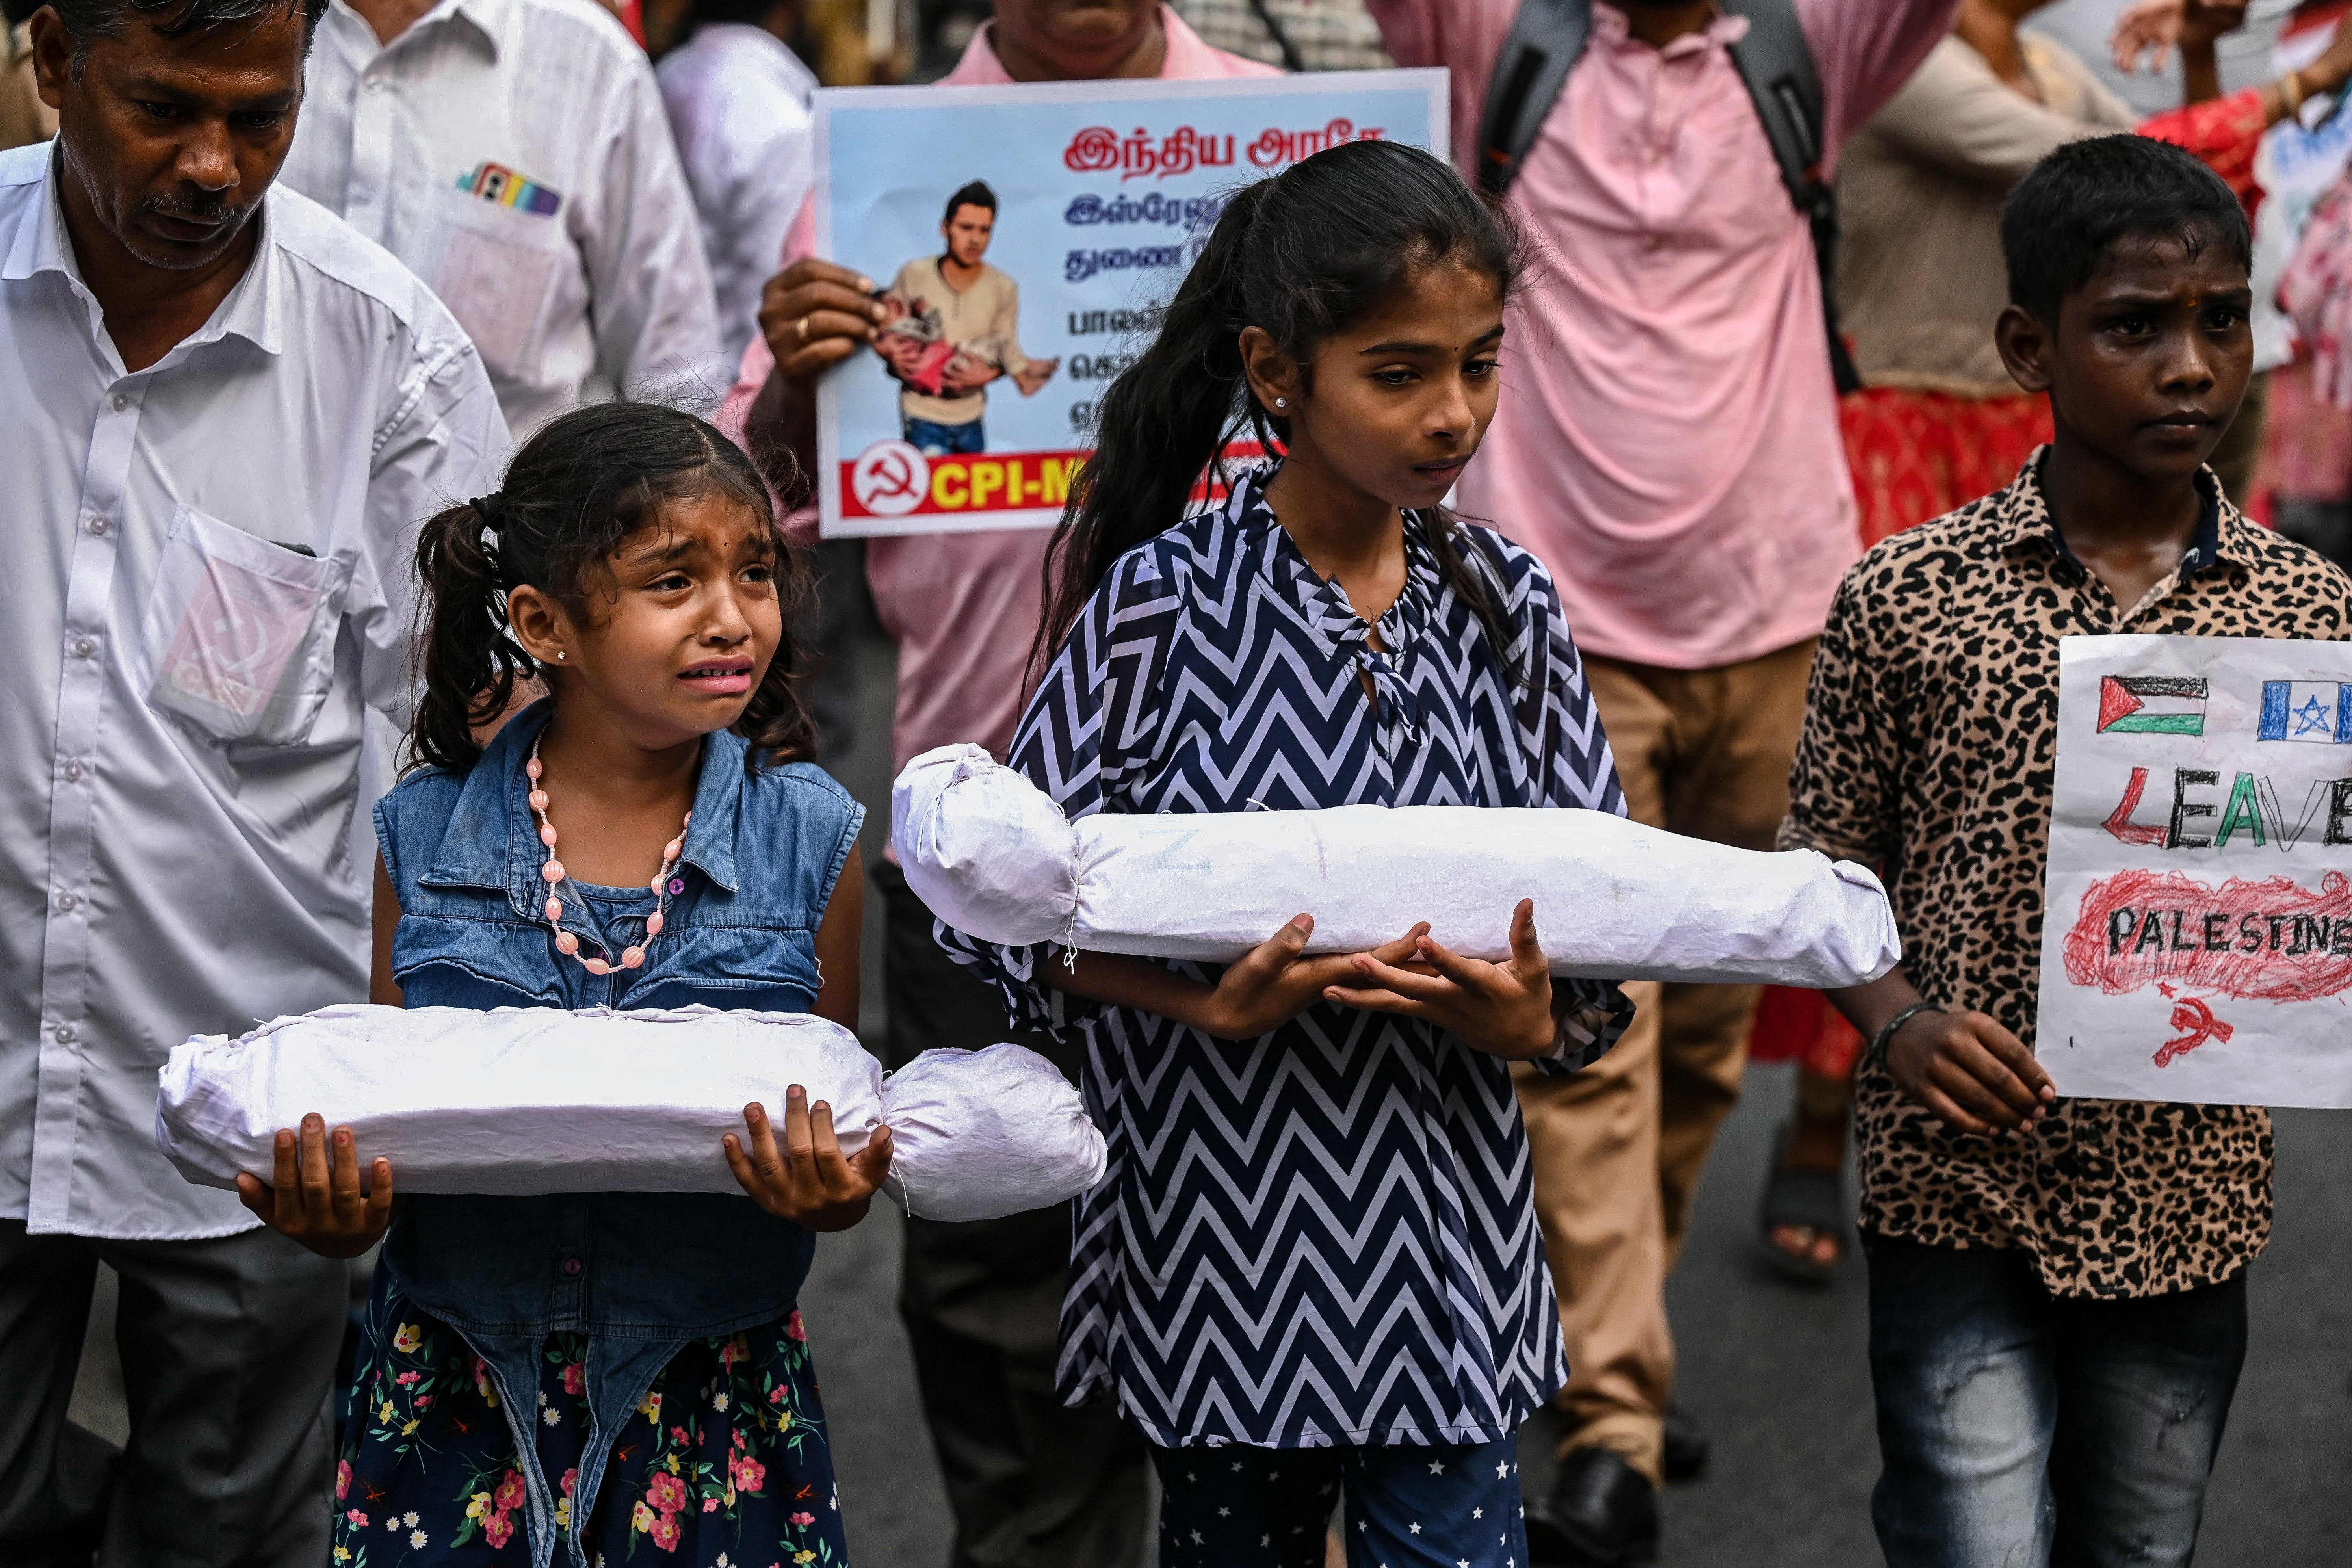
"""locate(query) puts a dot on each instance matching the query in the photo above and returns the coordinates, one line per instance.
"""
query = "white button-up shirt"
(210, 568)
(739, 100)
(514, 153)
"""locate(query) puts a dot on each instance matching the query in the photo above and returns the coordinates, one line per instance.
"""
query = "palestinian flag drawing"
(2151, 705)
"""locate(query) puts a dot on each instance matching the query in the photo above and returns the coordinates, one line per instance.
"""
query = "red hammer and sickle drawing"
(2196, 1025)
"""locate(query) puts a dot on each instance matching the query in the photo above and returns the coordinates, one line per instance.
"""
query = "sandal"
(1810, 1201)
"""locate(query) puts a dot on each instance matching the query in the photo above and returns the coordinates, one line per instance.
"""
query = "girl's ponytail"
(471, 665)
(1164, 423)
(1299, 256)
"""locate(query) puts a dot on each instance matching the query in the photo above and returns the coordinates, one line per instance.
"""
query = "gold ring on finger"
(801, 327)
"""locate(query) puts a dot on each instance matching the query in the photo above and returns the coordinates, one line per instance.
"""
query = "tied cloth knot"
(1393, 708)
(1396, 713)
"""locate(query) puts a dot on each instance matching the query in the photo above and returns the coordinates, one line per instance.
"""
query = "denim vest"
(639, 1273)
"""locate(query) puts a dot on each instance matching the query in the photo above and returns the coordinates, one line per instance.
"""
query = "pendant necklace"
(554, 876)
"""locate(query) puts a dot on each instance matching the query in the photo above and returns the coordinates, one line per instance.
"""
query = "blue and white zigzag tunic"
(1326, 1234)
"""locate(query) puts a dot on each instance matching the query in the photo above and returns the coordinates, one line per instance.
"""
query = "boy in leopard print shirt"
(2057, 1287)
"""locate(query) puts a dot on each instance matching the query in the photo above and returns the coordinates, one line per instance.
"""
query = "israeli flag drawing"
(2319, 711)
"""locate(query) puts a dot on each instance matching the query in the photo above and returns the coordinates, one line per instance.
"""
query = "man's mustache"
(196, 207)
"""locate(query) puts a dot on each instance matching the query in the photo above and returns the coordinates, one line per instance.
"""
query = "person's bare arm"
(1964, 1067)
(837, 937)
(1028, 375)
(814, 315)
(383, 989)
(2203, 23)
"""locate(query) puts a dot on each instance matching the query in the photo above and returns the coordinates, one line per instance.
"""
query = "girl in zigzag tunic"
(1315, 1262)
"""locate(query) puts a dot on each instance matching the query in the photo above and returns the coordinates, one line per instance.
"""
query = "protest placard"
(1019, 237)
(2197, 938)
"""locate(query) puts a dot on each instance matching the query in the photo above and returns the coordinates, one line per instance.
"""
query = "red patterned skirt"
(1918, 455)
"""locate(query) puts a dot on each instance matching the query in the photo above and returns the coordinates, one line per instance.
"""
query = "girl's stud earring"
(1282, 403)
(559, 653)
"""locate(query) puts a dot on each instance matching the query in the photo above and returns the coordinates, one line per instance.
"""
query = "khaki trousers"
(1618, 1147)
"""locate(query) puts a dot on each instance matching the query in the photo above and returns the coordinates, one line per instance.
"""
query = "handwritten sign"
(1010, 313)
(2197, 941)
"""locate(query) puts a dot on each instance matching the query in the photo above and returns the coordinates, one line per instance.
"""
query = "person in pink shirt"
(1669, 446)
(1031, 1484)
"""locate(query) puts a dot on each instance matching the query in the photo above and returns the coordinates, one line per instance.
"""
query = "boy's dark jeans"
(2018, 1428)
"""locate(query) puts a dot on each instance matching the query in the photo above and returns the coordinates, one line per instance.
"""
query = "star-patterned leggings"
(1455, 1507)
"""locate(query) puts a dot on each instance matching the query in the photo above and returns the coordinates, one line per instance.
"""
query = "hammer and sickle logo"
(890, 478)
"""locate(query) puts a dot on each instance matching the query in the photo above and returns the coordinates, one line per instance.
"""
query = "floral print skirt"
(729, 1469)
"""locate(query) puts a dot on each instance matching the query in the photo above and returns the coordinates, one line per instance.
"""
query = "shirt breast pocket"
(239, 639)
(496, 267)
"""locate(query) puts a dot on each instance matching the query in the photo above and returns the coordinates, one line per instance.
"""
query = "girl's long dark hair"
(587, 481)
(1300, 256)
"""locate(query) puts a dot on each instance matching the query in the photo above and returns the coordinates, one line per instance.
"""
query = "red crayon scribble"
(2271, 939)
(2196, 1025)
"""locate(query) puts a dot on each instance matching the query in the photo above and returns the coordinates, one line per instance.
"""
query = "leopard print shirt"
(1930, 736)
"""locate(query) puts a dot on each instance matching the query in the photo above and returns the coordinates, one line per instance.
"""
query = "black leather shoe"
(1601, 1513)
(1683, 1454)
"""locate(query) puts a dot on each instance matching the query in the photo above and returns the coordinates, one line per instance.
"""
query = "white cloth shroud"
(528, 1100)
(994, 857)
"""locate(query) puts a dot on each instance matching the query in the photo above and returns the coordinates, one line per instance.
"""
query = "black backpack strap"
(1547, 36)
(1777, 64)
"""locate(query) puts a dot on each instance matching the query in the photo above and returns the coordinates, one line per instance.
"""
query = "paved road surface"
(1777, 1374)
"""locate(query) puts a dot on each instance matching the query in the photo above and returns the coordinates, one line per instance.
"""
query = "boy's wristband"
(1888, 1030)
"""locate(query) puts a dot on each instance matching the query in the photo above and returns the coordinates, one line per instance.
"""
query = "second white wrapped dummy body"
(528, 1100)
(992, 857)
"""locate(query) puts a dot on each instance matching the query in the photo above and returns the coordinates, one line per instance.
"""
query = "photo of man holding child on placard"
(954, 327)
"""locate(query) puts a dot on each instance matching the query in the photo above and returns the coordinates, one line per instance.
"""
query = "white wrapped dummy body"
(514, 1102)
(991, 854)
(526, 1100)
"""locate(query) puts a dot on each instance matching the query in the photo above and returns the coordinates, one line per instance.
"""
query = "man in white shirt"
(515, 155)
(738, 104)
(222, 416)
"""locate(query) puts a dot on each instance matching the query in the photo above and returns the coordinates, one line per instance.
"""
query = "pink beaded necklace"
(554, 876)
